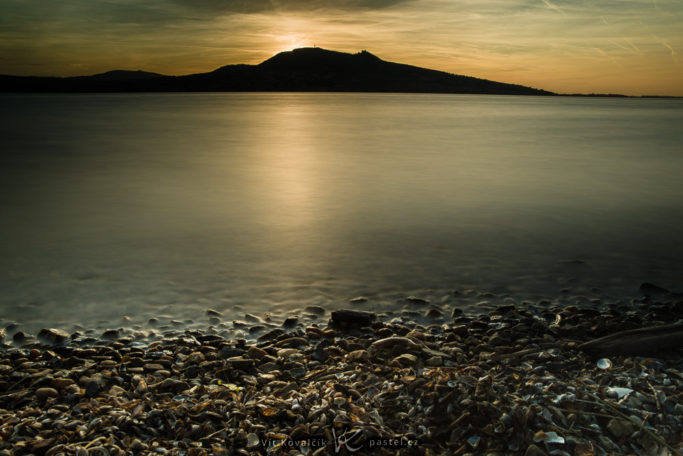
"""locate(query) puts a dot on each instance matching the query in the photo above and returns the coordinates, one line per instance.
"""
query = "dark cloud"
(260, 6)
(80, 15)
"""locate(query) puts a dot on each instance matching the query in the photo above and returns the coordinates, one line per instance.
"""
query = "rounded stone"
(61, 383)
(45, 393)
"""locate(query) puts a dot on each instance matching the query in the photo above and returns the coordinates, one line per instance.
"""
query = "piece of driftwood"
(654, 340)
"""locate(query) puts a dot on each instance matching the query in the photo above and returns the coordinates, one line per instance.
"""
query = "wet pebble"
(45, 393)
(256, 353)
(53, 335)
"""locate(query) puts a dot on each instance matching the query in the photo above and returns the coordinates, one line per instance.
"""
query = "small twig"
(216, 433)
(94, 442)
(464, 415)
(654, 393)
(459, 450)
(10, 390)
(642, 426)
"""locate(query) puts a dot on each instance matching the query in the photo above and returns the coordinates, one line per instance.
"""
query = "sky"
(631, 47)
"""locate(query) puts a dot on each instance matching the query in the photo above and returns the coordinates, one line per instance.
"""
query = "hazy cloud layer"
(628, 46)
(259, 6)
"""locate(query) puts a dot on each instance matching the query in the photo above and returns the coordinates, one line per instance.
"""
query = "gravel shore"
(514, 381)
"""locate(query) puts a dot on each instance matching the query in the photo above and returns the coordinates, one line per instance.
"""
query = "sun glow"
(292, 41)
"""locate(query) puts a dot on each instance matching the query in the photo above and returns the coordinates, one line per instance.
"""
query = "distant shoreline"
(300, 70)
(563, 95)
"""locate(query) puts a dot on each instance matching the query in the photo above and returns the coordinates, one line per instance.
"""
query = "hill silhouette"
(300, 70)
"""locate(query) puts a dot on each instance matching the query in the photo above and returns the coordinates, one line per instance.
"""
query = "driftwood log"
(651, 341)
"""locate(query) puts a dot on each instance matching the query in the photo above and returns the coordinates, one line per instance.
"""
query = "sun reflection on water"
(288, 167)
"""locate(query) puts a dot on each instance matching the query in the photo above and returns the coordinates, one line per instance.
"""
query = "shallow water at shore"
(147, 205)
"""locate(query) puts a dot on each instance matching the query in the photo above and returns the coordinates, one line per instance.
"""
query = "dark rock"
(417, 301)
(289, 322)
(256, 353)
(320, 355)
(134, 362)
(19, 336)
(620, 429)
(241, 363)
(252, 318)
(270, 335)
(346, 319)
(269, 359)
(191, 371)
(434, 361)
(55, 336)
(71, 362)
(505, 309)
(213, 313)
(195, 357)
(459, 330)
(433, 313)
(111, 334)
(358, 355)
(292, 342)
(297, 372)
(498, 338)
(170, 385)
(324, 343)
(92, 388)
(315, 309)
(229, 352)
(405, 360)
(384, 332)
(268, 366)
(477, 325)
(209, 338)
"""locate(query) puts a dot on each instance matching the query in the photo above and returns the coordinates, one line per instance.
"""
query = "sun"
(292, 41)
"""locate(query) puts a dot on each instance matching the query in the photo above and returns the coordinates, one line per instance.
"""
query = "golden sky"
(602, 46)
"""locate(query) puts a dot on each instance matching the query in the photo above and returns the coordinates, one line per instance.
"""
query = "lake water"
(152, 204)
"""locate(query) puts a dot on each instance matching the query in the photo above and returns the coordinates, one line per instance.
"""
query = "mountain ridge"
(300, 70)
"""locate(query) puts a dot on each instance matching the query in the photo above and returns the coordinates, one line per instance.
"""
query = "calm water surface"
(171, 203)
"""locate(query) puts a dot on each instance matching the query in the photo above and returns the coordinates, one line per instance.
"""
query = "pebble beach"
(523, 378)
